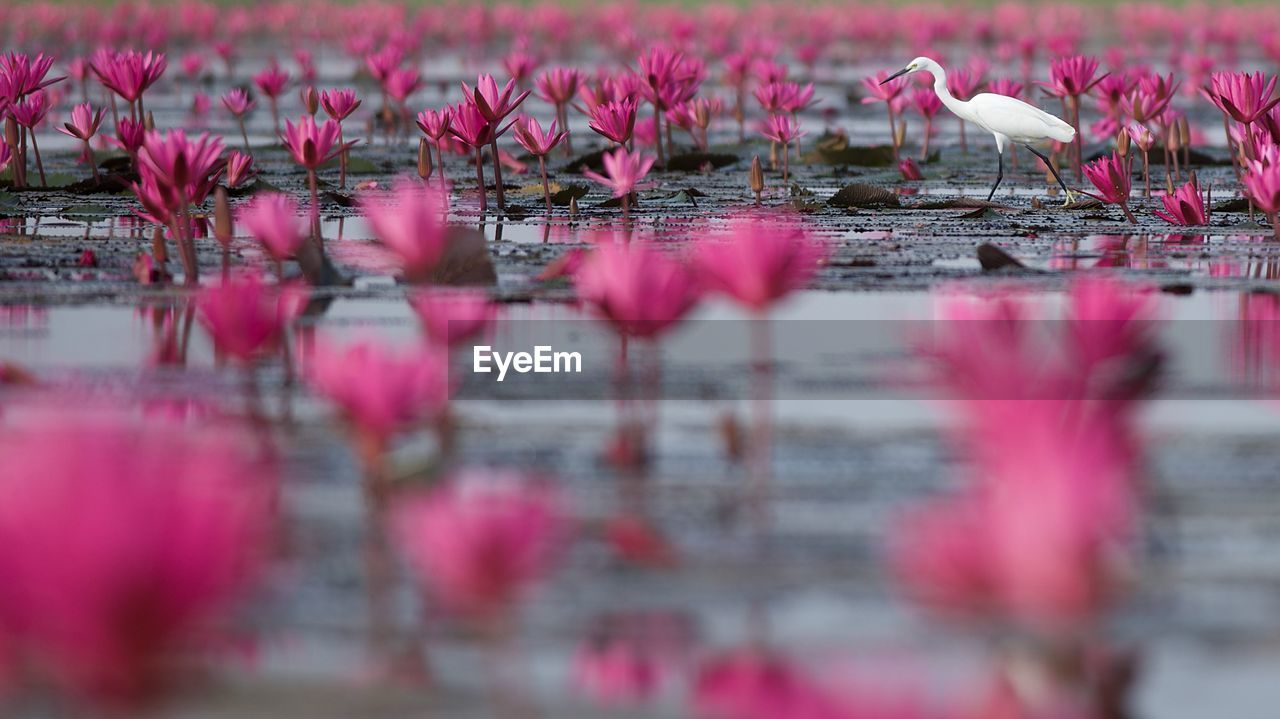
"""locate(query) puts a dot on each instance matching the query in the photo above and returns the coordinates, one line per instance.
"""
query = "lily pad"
(568, 194)
(993, 258)
(86, 212)
(836, 150)
(862, 195)
(696, 161)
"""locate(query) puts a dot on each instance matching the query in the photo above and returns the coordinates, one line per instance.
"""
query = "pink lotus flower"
(237, 102)
(188, 166)
(24, 74)
(558, 86)
(623, 172)
(239, 169)
(435, 123)
(520, 65)
(410, 224)
(245, 317)
(1072, 76)
(493, 104)
(1262, 183)
(380, 391)
(30, 111)
(1185, 206)
(129, 74)
(1110, 175)
(339, 104)
(889, 92)
(312, 145)
(532, 138)
(401, 83)
(272, 219)
(782, 129)
(636, 288)
(1244, 97)
(451, 318)
(478, 541)
(615, 120)
(83, 126)
(760, 261)
(123, 544)
(84, 122)
(926, 102)
(272, 81)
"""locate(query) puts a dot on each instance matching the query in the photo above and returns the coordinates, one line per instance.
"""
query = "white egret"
(1009, 119)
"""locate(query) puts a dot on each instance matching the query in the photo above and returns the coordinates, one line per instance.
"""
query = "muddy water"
(1207, 609)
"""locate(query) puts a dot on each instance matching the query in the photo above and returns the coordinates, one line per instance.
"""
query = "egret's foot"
(1071, 198)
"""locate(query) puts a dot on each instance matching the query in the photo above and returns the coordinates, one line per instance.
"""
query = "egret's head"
(916, 65)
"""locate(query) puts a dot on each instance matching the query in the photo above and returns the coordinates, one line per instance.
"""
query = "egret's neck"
(959, 107)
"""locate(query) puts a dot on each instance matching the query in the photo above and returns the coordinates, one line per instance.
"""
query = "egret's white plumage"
(1009, 119)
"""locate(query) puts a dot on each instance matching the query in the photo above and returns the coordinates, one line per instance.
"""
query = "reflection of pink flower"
(244, 316)
(479, 540)
(752, 684)
(121, 545)
(450, 318)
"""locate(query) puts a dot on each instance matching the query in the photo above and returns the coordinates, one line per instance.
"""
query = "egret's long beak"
(897, 74)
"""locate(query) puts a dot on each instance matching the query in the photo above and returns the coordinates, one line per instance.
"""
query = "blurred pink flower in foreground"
(272, 218)
(761, 260)
(479, 540)
(1038, 536)
(121, 545)
(379, 390)
(245, 316)
(636, 288)
(411, 225)
(452, 317)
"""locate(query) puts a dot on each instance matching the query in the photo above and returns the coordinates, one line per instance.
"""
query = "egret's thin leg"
(1056, 176)
(999, 175)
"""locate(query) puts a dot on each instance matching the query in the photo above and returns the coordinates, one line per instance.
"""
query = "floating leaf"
(1239, 204)
(534, 189)
(862, 195)
(982, 213)
(993, 258)
(959, 203)
(696, 161)
(569, 193)
(836, 150)
(593, 161)
(86, 212)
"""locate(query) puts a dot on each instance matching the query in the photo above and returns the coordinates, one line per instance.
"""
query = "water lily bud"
(1173, 141)
(573, 207)
(424, 158)
(310, 100)
(223, 227)
(11, 133)
(1184, 131)
(756, 177)
(900, 134)
(1122, 143)
(149, 122)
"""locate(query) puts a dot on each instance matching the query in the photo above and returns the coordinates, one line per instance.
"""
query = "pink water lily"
(1185, 206)
(636, 288)
(272, 218)
(124, 546)
(759, 261)
(409, 223)
(623, 172)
